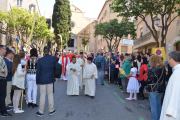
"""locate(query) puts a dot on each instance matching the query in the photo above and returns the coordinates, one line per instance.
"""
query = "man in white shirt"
(73, 70)
(171, 103)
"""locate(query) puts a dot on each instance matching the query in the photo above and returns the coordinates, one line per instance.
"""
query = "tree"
(61, 21)
(85, 42)
(23, 24)
(142, 8)
(113, 32)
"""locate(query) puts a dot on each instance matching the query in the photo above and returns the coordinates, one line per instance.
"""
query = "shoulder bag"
(146, 91)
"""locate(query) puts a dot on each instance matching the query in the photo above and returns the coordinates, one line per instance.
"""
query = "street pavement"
(108, 104)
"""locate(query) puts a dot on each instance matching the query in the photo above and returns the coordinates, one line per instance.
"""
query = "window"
(19, 2)
(111, 11)
(72, 24)
(141, 32)
(123, 48)
(71, 43)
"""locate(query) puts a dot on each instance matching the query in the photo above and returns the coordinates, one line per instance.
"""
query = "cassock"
(73, 82)
(80, 61)
(64, 61)
(90, 86)
(171, 103)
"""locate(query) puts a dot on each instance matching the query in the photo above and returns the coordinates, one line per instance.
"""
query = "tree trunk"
(157, 42)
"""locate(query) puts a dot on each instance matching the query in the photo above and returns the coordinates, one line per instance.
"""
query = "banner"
(127, 42)
(160, 52)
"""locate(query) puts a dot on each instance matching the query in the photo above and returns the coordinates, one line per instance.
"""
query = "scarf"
(63, 64)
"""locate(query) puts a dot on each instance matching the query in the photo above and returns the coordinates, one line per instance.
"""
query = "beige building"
(105, 15)
(78, 22)
(5, 6)
(145, 41)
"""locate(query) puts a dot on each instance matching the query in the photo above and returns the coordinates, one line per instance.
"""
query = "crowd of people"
(142, 76)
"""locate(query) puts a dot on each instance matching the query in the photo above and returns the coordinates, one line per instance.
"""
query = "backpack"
(98, 64)
(57, 71)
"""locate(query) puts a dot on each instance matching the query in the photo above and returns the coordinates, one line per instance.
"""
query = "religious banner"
(160, 52)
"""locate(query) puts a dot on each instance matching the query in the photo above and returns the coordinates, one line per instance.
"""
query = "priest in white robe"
(64, 61)
(73, 70)
(82, 62)
(171, 104)
(89, 75)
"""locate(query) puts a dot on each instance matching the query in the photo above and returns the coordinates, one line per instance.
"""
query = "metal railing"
(143, 39)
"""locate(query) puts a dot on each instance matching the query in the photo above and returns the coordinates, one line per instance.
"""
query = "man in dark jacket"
(8, 61)
(45, 67)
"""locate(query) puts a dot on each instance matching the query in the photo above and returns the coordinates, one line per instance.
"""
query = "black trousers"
(12, 94)
(3, 85)
(143, 84)
(119, 82)
(112, 76)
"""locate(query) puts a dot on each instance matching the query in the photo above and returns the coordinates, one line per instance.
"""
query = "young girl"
(17, 81)
(133, 85)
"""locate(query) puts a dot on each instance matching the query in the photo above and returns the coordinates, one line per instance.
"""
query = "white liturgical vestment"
(171, 103)
(89, 80)
(64, 77)
(73, 79)
(80, 61)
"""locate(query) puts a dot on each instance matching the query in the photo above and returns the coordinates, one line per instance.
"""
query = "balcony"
(144, 41)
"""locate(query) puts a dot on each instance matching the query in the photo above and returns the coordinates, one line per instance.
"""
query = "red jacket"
(143, 70)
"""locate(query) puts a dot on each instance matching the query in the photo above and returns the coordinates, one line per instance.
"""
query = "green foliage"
(135, 8)
(23, 24)
(113, 31)
(85, 42)
(61, 21)
(142, 8)
(3, 15)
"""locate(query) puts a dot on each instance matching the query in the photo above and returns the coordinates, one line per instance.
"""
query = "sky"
(91, 8)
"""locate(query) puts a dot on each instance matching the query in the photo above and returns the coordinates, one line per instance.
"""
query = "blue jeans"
(101, 75)
(155, 102)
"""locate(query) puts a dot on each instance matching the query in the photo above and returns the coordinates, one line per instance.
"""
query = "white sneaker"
(19, 111)
(128, 98)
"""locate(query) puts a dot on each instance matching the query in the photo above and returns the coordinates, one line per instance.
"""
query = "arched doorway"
(178, 46)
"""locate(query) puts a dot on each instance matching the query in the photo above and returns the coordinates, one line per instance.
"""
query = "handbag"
(146, 91)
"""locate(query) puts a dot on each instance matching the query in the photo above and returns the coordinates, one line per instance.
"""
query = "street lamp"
(61, 41)
(156, 20)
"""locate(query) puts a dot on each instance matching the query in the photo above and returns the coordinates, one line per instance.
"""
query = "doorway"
(71, 43)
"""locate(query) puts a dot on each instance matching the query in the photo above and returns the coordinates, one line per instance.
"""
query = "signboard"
(127, 42)
(102, 47)
(160, 52)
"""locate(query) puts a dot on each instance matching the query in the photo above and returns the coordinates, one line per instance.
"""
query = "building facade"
(95, 43)
(78, 22)
(145, 41)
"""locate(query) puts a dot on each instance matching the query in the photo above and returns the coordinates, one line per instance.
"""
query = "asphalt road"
(108, 104)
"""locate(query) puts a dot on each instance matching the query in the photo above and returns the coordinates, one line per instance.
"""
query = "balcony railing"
(143, 39)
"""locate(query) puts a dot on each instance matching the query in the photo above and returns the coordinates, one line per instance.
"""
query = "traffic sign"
(158, 52)
(102, 47)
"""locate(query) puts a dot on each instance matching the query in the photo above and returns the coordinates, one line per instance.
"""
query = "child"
(133, 85)
(112, 70)
(17, 81)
